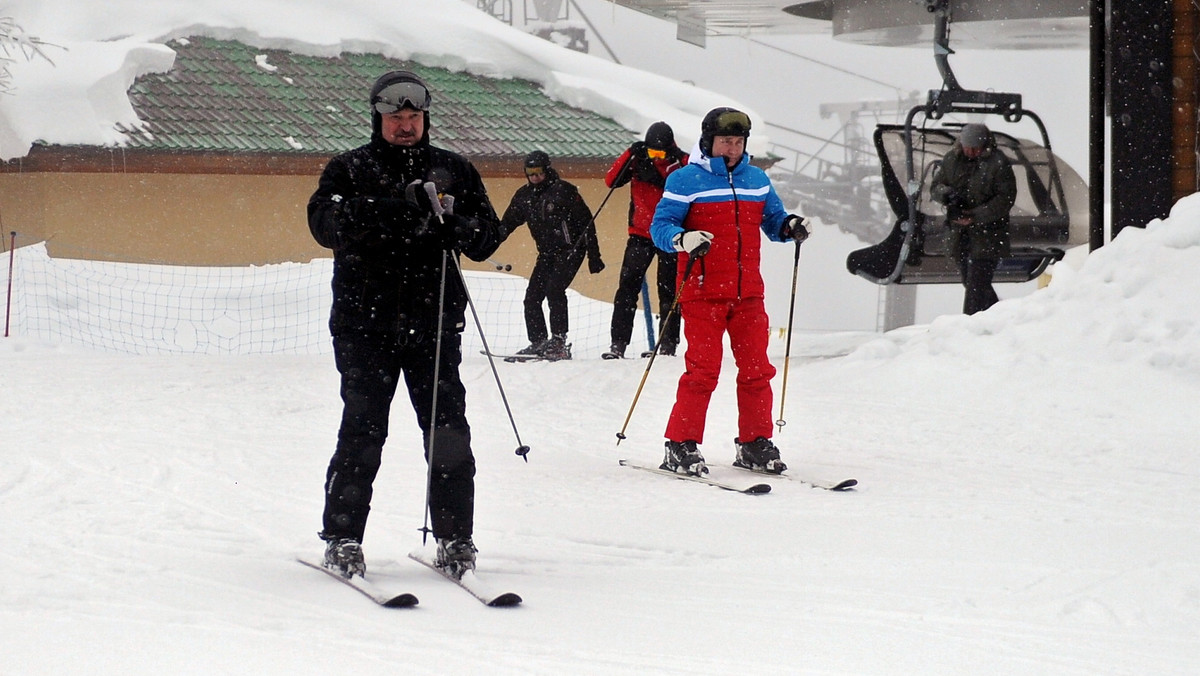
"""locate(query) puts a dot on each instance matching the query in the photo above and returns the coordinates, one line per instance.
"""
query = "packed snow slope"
(1029, 489)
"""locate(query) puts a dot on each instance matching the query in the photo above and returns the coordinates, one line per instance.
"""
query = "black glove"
(676, 154)
(626, 170)
(949, 196)
(457, 232)
(419, 197)
(638, 149)
(956, 205)
(794, 228)
(646, 172)
(595, 265)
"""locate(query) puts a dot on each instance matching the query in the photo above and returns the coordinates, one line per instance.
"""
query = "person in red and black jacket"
(711, 213)
(644, 166)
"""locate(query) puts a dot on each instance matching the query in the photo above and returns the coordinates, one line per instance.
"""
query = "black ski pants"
(639, 253)
(977, 280)
(370, 365)
(552, 274)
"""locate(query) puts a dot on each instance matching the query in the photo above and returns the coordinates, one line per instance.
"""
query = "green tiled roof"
(218, 97)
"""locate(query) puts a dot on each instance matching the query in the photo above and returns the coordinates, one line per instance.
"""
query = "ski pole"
(787, 357)
(687, 272)
(431, 189)
(602, 203)
(437, 363)
(522, 449)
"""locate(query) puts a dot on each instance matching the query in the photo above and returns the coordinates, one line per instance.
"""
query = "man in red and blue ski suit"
(711, 213)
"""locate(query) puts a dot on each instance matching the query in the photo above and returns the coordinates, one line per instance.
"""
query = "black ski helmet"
(537, 159)
(722, 122)
(660, 136)
(395, 90)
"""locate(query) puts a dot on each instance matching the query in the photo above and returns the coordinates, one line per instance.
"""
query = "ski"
(522, 359)
(755, 489)
(514, 358)
(469, 582)
(384, 597)
(843, 485)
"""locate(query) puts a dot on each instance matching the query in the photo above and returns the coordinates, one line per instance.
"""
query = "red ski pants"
(705, 322)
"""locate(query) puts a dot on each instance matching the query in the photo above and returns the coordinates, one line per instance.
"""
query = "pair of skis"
(390, 598)
(752, 489)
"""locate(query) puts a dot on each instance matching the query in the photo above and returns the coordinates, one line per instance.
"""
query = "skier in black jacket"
(393, 211)
(563, 230)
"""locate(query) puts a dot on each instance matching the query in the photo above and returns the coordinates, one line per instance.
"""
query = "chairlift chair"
(1048, 191)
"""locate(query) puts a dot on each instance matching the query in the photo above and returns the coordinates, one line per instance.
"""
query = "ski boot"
(683, 457)
(456, 556)
(616, 351)
(664, 350)
(344, 556)
(759, 455)
(534, 349)
(556, 349)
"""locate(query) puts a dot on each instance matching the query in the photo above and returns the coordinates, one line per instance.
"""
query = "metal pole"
(522, 449)
(787, 356)
(687, 272)
(1096, 144)
(437, 363)
(12, 252)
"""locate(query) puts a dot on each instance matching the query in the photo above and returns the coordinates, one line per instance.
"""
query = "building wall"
(233, 220)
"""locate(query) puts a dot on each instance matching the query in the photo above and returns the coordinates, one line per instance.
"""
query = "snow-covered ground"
(1029, 488)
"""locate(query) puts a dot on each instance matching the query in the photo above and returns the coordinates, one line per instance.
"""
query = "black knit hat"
(975, 135)
(660, 136)
(722, 122)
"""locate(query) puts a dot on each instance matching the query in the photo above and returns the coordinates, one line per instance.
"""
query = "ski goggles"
(534, 171)
(402, 94)
(655, 154)
(732, 123)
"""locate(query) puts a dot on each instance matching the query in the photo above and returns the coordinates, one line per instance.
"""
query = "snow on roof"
(95, 51)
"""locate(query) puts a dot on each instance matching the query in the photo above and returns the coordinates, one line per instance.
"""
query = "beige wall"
(207, 219)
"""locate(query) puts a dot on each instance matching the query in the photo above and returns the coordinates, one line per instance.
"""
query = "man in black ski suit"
(394, 211)
(563, 230)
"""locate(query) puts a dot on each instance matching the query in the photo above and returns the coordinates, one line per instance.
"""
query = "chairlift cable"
(839, 69)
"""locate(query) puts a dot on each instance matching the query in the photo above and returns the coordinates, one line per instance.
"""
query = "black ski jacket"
(387, 252)
(559, 220)
(988, 190)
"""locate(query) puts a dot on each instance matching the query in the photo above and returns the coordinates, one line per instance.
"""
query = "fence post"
(649, 314)
(12, 250)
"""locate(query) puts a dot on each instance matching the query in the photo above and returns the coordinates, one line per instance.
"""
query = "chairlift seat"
(1048, 214)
